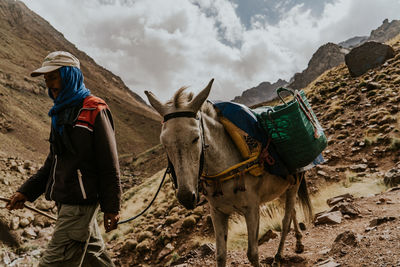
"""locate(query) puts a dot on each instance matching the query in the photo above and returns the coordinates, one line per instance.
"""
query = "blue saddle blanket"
(243, 118)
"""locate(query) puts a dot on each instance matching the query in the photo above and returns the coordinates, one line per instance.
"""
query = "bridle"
(188, 114)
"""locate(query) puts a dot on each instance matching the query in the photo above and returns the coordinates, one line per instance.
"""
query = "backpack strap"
(92, 105)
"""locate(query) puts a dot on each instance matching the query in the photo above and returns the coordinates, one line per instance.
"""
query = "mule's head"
(181, 136)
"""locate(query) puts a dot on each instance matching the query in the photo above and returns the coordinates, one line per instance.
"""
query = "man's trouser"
(76, 240)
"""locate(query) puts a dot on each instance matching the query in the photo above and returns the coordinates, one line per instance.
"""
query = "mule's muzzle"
(188, 199)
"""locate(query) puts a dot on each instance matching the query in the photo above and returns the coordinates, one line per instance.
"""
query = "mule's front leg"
(220, 222)
(252, 216)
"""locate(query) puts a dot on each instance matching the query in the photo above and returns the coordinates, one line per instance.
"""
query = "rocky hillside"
(265, 91)
(25, 39)
(331, 55)
(327, 56)
(362, 122)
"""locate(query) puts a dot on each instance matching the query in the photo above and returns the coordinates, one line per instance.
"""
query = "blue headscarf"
(73, 92)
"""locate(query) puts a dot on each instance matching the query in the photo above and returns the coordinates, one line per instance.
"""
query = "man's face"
(53, 82)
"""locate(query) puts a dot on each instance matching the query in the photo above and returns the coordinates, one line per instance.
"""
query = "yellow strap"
(216, 176)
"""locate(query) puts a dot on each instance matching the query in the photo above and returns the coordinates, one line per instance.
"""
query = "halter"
(187, 114)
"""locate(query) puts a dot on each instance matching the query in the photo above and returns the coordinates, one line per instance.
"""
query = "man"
(81, 171)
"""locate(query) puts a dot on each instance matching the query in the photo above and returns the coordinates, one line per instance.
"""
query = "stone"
(41, 221)
(346, 209)
(359, 167)
(129, 245)
(143, 246)
(144, 235)
(206, 250)
(266, 237)
(171, 219)
(165, 251)
(328, 263)
(189, 222)
(24, 222)
(381, 220)
(367, 56)
(392, 177)
(334, 200)
(29, 232)
(343, 242)
(348, 238)
(334, 217)
(198, 211)
(44, 204)
(14, 225)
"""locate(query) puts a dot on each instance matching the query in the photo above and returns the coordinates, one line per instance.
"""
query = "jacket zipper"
(54, 177)
(81, 184)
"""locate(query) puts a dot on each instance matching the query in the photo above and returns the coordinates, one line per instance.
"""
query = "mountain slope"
(25, 39)
(331, 55)
(326, 57)
(265, 91)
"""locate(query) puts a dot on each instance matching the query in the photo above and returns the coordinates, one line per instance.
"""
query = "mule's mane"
(182, 98)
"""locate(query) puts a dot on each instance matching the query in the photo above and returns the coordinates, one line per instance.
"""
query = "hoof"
(277, 261)
(299, 248)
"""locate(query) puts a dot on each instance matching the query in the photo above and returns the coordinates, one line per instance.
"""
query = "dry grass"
(136, 199)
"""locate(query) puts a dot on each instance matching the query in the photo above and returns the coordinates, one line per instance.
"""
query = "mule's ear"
(155, 103)
(199, 99)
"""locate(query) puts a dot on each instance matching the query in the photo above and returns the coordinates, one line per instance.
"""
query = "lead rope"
(148, 206)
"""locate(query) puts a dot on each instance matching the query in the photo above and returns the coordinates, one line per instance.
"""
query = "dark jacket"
(88, 174)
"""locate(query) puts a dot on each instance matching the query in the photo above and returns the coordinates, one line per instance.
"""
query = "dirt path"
(372, 246)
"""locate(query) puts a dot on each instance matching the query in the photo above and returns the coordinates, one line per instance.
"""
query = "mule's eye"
(195, 140)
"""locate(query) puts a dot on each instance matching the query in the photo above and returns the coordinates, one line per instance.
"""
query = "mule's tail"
(304, 198)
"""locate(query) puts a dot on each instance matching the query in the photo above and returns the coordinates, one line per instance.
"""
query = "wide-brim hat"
(56, 60)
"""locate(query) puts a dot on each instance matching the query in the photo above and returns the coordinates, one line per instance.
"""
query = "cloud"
(161, 45)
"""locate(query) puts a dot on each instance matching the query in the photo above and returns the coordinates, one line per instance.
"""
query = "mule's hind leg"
(252, 216)
(220, 222)
(299, 245)
(289, 207)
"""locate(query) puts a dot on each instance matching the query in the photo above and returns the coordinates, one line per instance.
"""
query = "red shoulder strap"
(92, 105)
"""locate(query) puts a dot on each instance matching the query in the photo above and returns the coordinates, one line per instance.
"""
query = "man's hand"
(16, 201)
(110, 221)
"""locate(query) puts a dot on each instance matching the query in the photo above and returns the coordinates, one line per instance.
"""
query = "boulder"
(367, 56)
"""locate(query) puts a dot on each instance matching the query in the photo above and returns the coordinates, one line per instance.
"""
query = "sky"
(161, 45)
